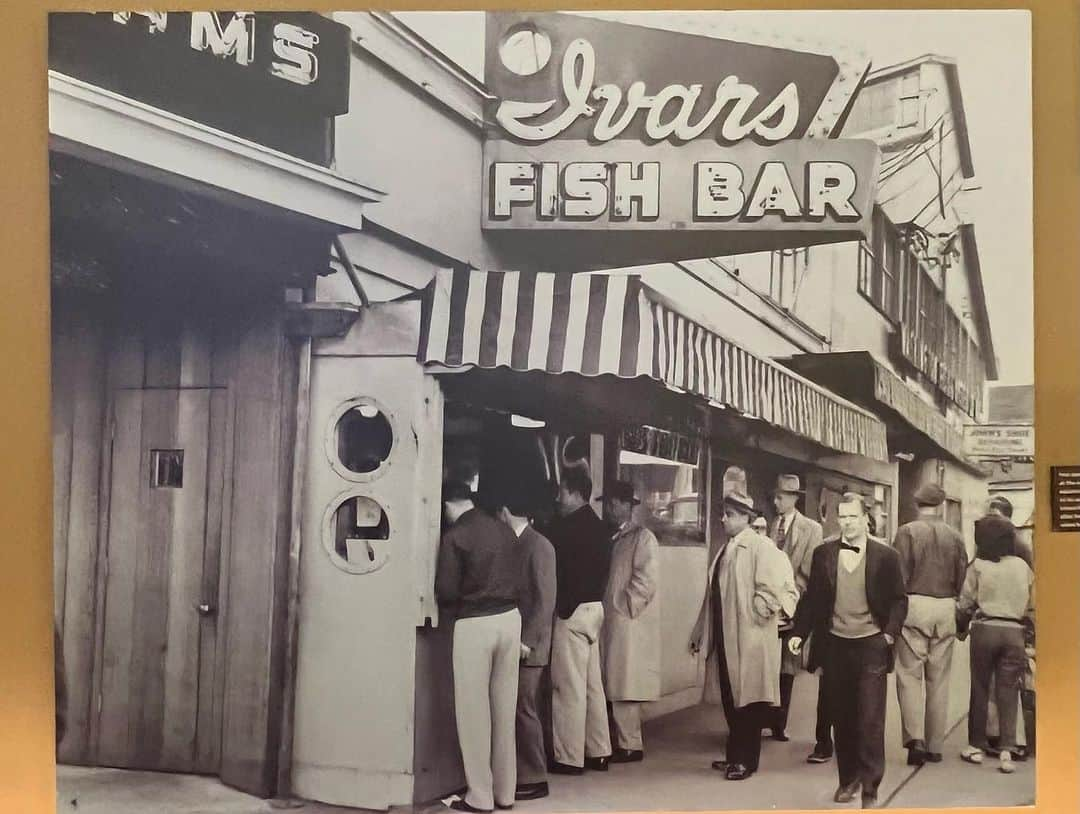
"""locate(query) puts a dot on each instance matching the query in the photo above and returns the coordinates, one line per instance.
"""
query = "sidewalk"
(676, 775)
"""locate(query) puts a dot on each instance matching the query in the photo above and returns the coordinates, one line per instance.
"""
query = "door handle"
(205, 609)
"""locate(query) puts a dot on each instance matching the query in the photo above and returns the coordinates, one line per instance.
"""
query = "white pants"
(579, 718)
(487, 651)
(627, 718)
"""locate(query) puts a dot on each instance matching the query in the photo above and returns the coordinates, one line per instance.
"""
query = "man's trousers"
(924, 655)
(487, 650)
(578, 706)
(531, 754)
(856, 678)
(626, 715)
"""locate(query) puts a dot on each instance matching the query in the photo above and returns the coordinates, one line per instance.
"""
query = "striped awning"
(594, 324)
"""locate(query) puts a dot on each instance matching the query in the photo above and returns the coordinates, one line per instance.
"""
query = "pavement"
(675, 776)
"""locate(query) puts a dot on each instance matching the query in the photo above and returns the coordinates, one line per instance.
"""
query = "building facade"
(261, 381)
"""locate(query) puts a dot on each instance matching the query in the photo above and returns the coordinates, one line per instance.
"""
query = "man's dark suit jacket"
(885, 593)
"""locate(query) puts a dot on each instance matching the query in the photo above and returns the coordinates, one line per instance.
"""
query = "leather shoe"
(627, 756)
(461, 805)
(737, 771)
(869, 801)
(933, 757)
(780, 735)
(720, 765)
(845, 794)
(531, 791)
(819, 755)
(562, 768)
(597, 764)
(916, 753)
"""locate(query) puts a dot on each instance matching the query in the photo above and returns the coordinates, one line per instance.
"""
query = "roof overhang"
(112, 130)
(856, 375)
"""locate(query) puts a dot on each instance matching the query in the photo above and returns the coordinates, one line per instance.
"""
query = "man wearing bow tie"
(855, 605)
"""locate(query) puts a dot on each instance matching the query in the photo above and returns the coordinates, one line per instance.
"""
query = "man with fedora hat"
(933, 560)
(750, 586)
(797, 536)
(630, 639)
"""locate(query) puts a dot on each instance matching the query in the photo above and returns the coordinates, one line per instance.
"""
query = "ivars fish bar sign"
(806, 184)
(691, 133)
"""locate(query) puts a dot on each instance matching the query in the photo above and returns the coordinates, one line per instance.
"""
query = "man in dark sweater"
(582, 560)
(854, 605)
(477, 582)
(933, 560)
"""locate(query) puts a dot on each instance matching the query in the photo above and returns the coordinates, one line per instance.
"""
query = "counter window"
(671, 495)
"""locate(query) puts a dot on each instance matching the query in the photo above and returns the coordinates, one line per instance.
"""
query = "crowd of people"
(781, 601)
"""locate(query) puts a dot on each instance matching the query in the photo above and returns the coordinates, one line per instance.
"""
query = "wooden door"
(158, 699)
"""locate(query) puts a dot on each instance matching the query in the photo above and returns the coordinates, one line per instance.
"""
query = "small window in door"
(166, 468)
(357, 522)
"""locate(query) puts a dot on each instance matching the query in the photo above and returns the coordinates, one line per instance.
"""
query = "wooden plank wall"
(78, 402)
(252, 358)
(244, 351)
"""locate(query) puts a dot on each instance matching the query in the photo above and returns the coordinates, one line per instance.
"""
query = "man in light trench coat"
(750, 583)
(630, 639)
(797, 536)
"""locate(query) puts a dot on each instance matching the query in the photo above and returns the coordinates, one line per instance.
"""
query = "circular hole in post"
(364, 438)
(360, 528)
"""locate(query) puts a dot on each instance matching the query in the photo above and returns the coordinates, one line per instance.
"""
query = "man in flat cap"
(630, 639)
(933, 561)
(797, 536)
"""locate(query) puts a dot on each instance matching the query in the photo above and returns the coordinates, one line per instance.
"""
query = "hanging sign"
(604, 126)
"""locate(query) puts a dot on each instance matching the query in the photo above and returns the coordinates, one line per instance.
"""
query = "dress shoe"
(461, 805)
(869, 801)
(720, 765)
(845, 794)
(916, 753)
(737, 771)
(531, 791)
(780, 735)
(820, 755)
(597, 764)
(562, 768)
(627, 755)
(933, 757)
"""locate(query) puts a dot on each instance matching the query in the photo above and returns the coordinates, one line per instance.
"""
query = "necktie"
(850, 547)
(778, 535)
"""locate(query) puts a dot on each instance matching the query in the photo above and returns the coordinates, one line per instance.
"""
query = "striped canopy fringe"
(699, 361)
(595, 323)
(558, 323)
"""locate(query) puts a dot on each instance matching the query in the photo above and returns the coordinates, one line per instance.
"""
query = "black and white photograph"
(552, 411)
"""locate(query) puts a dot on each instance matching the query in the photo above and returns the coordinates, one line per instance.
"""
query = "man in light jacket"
(630, 639)
(797, 536)
(750, 585)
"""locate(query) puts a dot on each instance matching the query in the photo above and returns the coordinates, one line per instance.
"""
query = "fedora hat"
(620, 490)
(741, 502)
(789, 483)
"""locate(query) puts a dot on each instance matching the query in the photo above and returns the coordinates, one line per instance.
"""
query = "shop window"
(671, 494)
(954, 514)
(358, 534)
(166, 468)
